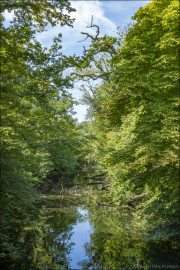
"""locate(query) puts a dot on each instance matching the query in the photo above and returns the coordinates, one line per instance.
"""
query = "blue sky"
(107, 15)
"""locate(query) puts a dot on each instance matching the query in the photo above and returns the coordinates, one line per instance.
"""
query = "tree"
(143, 156)
(35, 109)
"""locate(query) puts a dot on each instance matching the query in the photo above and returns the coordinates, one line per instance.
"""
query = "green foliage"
(40, 243)
(132, 134)
(119, 243)
(40, 13)
(135, 114)
(38, 134)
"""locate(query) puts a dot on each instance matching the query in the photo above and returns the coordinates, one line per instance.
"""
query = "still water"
(81, 235)
(75, 228)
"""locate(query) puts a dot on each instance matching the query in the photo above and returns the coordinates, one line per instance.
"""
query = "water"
(72, 229)
(81, 234)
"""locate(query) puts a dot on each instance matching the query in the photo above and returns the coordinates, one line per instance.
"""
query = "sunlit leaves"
(39, 135)
(142, 154)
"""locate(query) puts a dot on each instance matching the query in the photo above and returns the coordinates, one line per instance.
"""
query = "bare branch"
(97, 51)
(100, 49)
(91, 20)
(97, 31)
(105, 47)
(83, 39)
(111, 47)
(91, 76)
(88, 35)
(94, 25)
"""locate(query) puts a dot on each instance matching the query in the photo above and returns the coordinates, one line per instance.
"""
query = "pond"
(75, 228)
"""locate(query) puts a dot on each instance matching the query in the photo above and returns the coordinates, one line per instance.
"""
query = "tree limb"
(98, 50)
(111, 47)
(92, 76)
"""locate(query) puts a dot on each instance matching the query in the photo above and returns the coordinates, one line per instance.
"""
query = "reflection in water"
(69, 233)
(81, 235)
(51, 242)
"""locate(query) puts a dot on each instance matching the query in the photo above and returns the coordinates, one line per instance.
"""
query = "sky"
(107, 15)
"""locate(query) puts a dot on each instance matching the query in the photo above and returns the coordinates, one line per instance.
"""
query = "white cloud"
(106, 14)
(70, 36)
(84, 11)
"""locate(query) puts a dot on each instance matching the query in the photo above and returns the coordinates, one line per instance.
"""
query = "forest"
(131, 132)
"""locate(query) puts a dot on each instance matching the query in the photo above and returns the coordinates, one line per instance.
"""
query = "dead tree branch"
(102, 47)
(111, 47)
(92, 76)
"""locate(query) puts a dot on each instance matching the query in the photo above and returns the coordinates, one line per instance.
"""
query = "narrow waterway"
(75, 228)
(89, 230)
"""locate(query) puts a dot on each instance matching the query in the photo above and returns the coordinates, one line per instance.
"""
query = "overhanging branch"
(110, 46)
(91, 76)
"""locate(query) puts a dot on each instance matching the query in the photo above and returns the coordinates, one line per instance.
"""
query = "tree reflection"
(117, 241)
(117, 244)
(45, 243)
